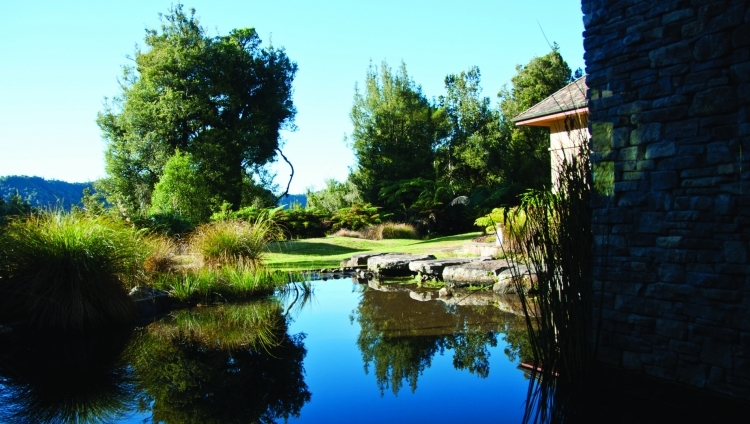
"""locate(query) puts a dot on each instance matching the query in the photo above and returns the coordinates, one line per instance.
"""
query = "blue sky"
(59, 60)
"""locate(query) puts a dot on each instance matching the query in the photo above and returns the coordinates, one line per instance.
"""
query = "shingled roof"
(570, 97)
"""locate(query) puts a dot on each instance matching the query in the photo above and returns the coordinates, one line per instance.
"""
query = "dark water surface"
(348, 354)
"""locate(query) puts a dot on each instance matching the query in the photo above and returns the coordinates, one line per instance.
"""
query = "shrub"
(232, 241)
(355, 217)
(511, 222)
(69, 271)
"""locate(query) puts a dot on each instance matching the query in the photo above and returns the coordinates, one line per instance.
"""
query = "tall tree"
(525, 150)
(395, 132)
(222, 99)
(464, 155)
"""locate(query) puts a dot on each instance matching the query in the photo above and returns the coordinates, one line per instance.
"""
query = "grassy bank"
(328, 252)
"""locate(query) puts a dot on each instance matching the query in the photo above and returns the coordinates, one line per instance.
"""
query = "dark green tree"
(396, 129)
(465, 155)
(221, 99)
(524, 151)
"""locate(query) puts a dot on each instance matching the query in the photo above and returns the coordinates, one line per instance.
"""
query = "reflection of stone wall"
(669, 89)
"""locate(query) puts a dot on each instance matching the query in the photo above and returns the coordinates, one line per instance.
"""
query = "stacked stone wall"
(669, 104)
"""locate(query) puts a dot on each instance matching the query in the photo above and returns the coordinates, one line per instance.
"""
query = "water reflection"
(55, 378)
(233, 363)
(399, 336)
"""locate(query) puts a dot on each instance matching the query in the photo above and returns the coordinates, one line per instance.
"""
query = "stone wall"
(669, 101)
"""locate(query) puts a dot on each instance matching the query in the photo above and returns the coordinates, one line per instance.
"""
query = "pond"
(349, 353)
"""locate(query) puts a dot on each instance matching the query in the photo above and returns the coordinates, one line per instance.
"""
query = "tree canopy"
(222, 100)
(525, 150)
(394, 135)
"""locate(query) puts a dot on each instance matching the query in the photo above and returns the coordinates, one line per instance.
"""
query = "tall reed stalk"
(557, 246)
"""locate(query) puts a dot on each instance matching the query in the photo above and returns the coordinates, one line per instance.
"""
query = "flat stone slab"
(495, 272)
(436, 266)
(394, 263)
(360, 259)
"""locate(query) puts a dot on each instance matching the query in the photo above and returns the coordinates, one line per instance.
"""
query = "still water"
(350, 353)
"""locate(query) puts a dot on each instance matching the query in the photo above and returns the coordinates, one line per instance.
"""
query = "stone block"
(670, 55)
(685, 348)
(716, 353)
(741, 36)
(672, 273)
(646, 133)
(712, 46)
(660, 150)
(714, 101)
(650, 222)
(693, 374)
(669, 242)
(677, 15)
(735, 252)
(631, 361)
(681, 129)
(718, 152)
(663, 180)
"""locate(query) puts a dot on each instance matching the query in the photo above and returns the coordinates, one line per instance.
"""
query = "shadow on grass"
(458, 237)
(311, 248)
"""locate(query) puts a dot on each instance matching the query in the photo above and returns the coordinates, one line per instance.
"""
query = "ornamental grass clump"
(390, 230)
(69, 271)
(234, 241)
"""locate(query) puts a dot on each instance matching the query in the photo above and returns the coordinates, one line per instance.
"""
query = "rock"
(445, 292)
(150, 301)
(394, 264)
(359, 259)
(498, 272)
(435, 266)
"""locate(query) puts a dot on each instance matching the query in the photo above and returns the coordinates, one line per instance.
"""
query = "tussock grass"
(161, 258)
(348, 233)
(232, 241)
(69, 270)
(391, 230)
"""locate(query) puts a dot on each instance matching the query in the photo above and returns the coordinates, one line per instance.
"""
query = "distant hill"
(41, 193)
(290, 199)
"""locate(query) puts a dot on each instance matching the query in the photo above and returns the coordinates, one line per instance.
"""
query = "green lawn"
(328, 252)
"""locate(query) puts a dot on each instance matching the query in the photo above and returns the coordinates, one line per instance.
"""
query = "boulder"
(394, 264)
(359, 259)
(435, 266)
(498, 272)
(150, 301)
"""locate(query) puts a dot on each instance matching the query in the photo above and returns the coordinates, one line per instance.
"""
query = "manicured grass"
(328, 252)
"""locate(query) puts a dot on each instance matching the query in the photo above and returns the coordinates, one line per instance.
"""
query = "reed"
(557, 246)
(69, 270)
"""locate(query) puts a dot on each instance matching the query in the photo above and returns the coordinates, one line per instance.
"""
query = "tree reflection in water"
(59, 378)
(232, 363)
(399, 336)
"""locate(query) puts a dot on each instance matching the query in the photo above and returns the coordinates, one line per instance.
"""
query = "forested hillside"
(41, 193)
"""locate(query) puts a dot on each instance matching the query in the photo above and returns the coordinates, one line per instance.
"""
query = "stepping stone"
(394, 264)
(360, 259)
(435, 266)
(496, 272)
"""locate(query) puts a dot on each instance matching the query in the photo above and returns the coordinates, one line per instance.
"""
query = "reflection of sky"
(342, 392)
